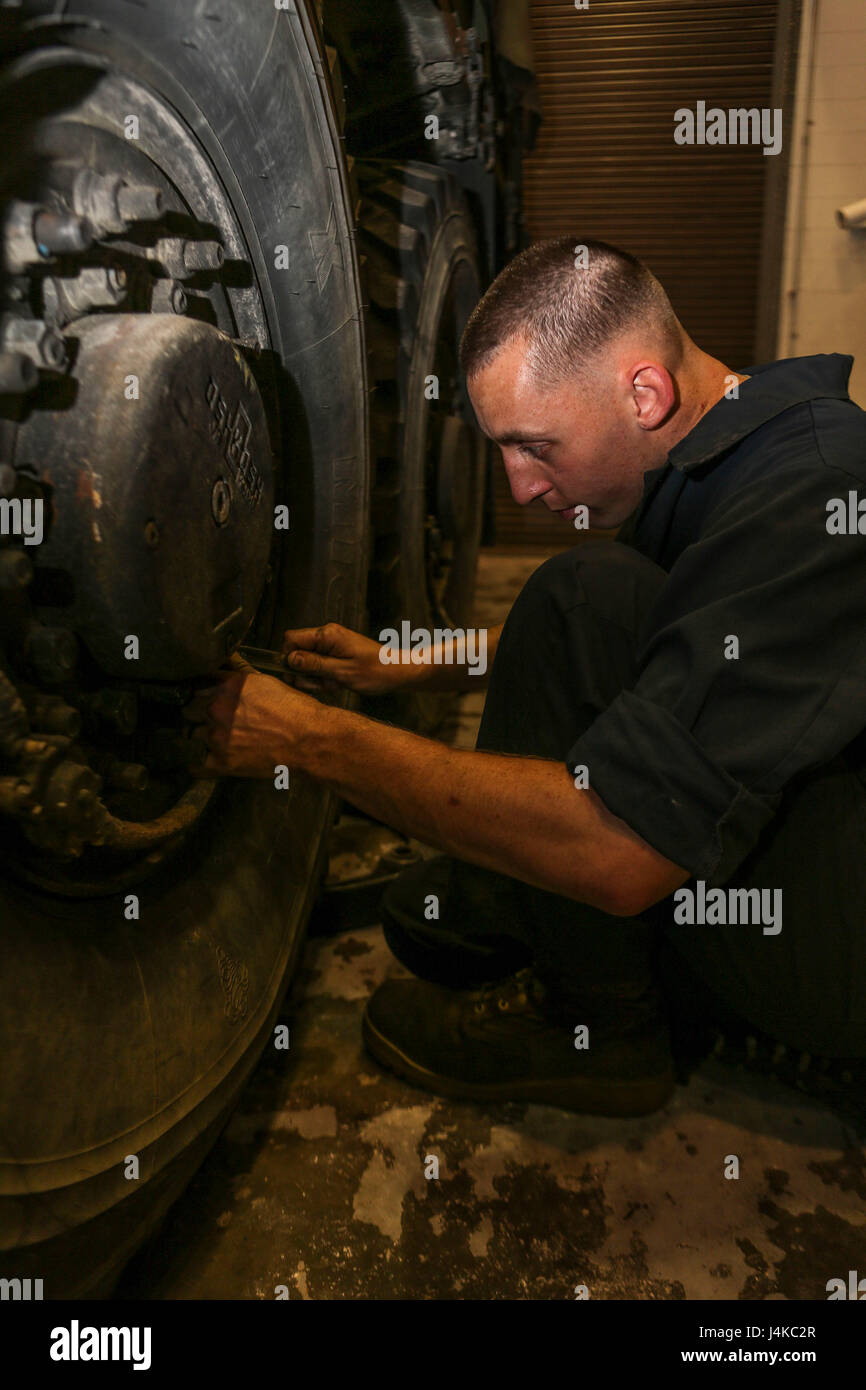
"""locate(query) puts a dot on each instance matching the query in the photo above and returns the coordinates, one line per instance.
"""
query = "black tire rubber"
(135, 1037)
(418, 244)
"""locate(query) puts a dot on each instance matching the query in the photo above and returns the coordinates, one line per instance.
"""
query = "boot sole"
(586, 1096)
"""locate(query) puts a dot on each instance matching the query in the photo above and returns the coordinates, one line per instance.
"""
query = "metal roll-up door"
(606, 165)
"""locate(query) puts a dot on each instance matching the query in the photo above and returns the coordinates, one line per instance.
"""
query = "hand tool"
(271, 663)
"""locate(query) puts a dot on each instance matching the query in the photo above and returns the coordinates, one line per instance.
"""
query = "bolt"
(178, 299)
(16, 571)
(151, 535)
(221, 502)
(61, 233)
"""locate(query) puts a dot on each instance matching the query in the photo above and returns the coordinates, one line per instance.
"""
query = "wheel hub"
(161, 496)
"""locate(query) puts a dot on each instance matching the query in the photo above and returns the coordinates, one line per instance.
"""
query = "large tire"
(422, 279)
(135, 1037)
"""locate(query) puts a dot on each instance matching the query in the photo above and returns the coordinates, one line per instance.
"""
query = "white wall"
(823, 306)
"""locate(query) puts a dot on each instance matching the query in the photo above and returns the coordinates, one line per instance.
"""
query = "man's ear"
(653, 393)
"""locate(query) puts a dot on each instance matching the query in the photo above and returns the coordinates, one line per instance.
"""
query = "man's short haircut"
(568, 298)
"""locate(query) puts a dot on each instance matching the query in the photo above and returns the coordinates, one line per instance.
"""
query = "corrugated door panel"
(611, 78)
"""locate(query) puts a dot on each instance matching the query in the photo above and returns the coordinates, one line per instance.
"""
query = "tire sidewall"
(163, 1016)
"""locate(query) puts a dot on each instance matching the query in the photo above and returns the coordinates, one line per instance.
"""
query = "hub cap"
(162, 496)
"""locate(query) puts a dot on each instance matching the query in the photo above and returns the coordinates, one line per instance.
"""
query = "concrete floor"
(317, 1188)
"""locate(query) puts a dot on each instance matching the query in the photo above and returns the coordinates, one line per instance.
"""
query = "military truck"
(240, 241)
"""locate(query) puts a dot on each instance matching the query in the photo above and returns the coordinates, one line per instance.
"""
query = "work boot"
(839, 1083)
(508, 1041)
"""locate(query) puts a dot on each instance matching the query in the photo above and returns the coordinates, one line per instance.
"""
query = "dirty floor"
(322, 1185)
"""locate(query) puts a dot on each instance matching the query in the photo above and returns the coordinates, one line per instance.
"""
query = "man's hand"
(332, 656)
(249, 724)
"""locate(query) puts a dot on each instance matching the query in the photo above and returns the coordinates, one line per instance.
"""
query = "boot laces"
(517, 991)
(787, 1063)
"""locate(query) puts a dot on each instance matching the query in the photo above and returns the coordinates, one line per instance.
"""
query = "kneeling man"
(666, 809)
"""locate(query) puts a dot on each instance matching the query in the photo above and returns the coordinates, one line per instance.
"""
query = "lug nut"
(51, 715)
(72, 787)
(110, 204)
(118, 708)
(138, 202)
(130, 777)
(32, 233)
(202, 255)
(61, 233)
(15, 795)
(52, 349)
(34, 339)
(93, 287)
(17, 373)
(168, 297)
(181, 258)
(16, 571)
(52, 652)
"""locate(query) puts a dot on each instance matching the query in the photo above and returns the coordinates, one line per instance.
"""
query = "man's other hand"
(333, 656)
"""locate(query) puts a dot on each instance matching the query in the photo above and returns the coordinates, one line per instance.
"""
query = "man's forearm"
(520, 816)
(447, 668)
